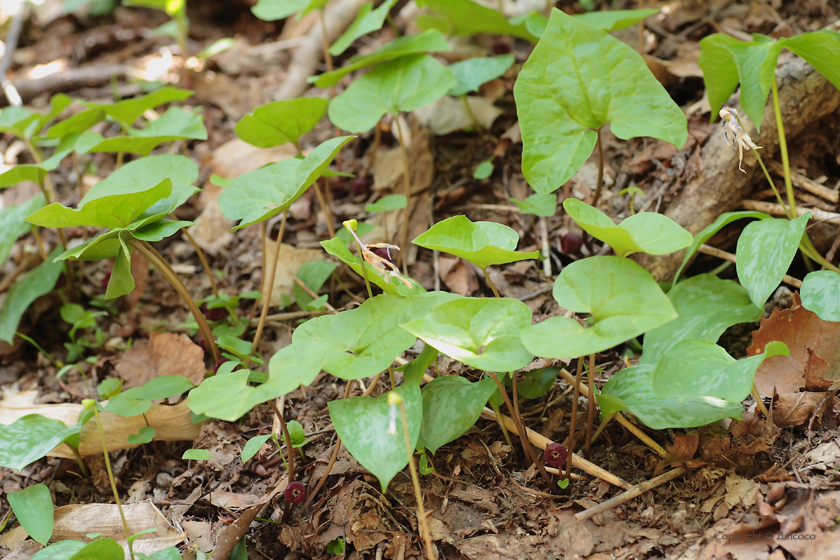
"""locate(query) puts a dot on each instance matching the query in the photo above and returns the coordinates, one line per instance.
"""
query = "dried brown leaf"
(163, 354)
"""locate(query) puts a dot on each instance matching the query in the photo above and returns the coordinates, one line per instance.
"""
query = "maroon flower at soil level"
(295, 492)
(214, 314)
(219, 363)
(105, 280)
(555, 455)
(570, 243)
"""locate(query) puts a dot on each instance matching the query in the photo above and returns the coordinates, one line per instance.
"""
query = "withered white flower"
(740, 138)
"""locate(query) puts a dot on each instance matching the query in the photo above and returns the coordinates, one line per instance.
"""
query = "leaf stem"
(597, 194)
(759, 402)
(269, 285)
(780, 128)
(407, 213)
(111, 477)
(328, 215)
(291, 464)
(490, 283)
(163, 267)
(470, 113)
(418, 493)
(571, 442)
(590, 410)
(505, 432)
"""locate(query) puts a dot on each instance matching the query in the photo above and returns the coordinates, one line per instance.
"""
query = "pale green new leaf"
(174, 124)
(78, 123)
(720, 73)
(472, 73)
(387, 203)
(363, 424)
(821, 49)
(764, 253)
(482, 243)
(467, 18)
(426, 42)
(404, 84)
(577, 79)
(646, 232)
(756, 63)
(121, 281)
(281, 121)
(622, 297)
(367, 20)
(537, 204)
(137, 400)
(482, 333)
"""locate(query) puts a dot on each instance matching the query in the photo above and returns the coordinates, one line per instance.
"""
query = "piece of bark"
(805, 97)
(338, 16)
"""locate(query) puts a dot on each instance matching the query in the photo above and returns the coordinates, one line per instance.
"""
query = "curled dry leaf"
(458, 275)
(680, 452)
(212, 229)
(163, 354)
(814, 361)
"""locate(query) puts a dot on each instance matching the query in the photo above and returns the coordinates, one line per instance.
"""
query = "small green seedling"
(313, 275)
(579, 78)
(483, 170)
(80, 318)
(336, 546)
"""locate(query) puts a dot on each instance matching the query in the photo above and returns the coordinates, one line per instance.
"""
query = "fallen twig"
(633, 492)
(777, 210)
(805, 183)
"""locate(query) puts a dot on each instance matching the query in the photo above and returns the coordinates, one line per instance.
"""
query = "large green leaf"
(701, 369)
(707, 306)
(33, 508)
(404, 84)
(29, 438)
(281, 121)
(756, 63)
(12, 224)
(720, 73)
(467, 18)
(764, 253)
(33, 172)
(577, 79)
(100, 549)
(608, 20)
(632, 389)
(140, 174)
(127, 111)
(391, 286)
(36, 283)
(707, 232)
(111, 211)
(822, 51)
(622, 297)
(820, 293)
(363, 425)
(451, 405)
(472, 73)
(367, 20)
(646, 232)
(426, 42)
(78, 123)
(273, 10)
(365, 341)
(174, 124)
(482, 333)
(261, 194)
(482, 243)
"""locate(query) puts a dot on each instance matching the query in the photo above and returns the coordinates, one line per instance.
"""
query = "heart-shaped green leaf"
(143, 436)
(273, 10)
(707, 232)
(577, 79)
(756, 64)
(196, 455)
(608, 20)
(367, 20)
(819, 49)
(387, 203)
(12, 224)
(820, 293)
(632, 389)
(472, 73)
(33, 508)
(466, 18)
(764, 253)
(127, 111)
(365, 341)
(363, 424)
(281, 122)
(647, 232)
(404, 84)
(174, 124)
(35, 284)
(451, 405)
(228, 396)
(392, 286)
(622, 297)
(261, 194)
(537, 204)
(29, 438)
(137, 400)
(482, 333)
(429, 41)
(707, 306)
(112, 211)
(482, 243)
(701, 369)
(252, 446)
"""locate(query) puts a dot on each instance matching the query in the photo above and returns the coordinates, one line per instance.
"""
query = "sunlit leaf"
(281, 121)
(174, 124)
(129, 110)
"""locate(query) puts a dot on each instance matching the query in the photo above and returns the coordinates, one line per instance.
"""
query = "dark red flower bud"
(501, 48)
(219, 363)
(295, 492)
(214, 314)
(570, 243)
(105, 280)
(360, 185)
(555, 455)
